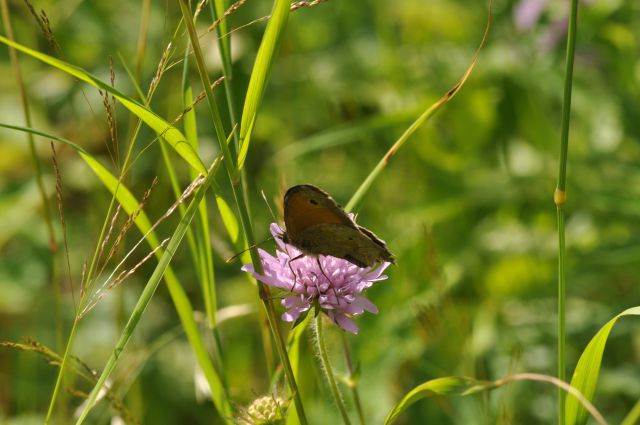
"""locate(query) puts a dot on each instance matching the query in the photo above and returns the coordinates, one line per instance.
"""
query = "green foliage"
(585, 376)
(466, 205)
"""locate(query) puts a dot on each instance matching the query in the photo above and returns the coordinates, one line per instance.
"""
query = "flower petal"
(366, 304)
(346, 323)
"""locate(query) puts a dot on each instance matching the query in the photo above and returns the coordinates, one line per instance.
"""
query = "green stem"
(560, 199)
(224, 45)
(65, 358)
(328, 371)
(142, 37)
(353, 384)
(240, 199)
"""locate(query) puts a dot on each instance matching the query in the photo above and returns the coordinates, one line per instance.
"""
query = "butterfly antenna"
(268, 206)
(234, 257)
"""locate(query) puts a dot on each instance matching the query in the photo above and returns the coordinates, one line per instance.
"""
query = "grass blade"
(239, 194)
(450, 385)
(463, 386)
(147, 294)
(585, 376)
(634, 415)
(358, 196)
(169, 133)
(260, 74)
(178, 296)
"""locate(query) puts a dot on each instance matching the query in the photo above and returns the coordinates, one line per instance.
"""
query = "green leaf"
(228, 218)
(260, 74)
(450, 385)
(169, 133)
(585, 377)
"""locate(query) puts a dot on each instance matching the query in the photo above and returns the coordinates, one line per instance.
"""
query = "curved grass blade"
(343, 134)
(585, 377)
(450, 385)
(260, 74)
(462, 386)
(169, 133)
(358, 196)
(147, 293)
(176, 291)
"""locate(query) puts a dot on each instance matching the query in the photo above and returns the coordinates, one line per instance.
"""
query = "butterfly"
(317, 225)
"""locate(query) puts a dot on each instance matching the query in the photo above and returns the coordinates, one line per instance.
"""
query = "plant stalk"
(560, 200)
(353, 385)
(328, 371)
(240, 199)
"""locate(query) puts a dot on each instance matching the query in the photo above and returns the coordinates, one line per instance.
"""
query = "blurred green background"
(466, 205)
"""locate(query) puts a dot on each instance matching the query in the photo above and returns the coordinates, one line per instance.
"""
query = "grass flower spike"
(334, 285)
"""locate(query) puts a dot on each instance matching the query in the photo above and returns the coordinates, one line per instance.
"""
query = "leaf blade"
(260, 74)
(169, 133)
(585, 376)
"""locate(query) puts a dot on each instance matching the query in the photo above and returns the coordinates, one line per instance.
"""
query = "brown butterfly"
(317, 225)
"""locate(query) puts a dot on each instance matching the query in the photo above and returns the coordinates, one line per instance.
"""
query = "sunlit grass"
(281, 93)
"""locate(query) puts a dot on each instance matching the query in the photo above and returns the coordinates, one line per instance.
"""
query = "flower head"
(335, 285)
(267, 410)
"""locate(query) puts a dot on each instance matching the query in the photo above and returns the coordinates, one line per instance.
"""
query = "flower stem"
(352, 384)
(328, 371)
(560, 199)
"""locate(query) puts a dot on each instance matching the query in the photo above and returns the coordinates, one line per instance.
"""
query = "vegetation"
(145, 144)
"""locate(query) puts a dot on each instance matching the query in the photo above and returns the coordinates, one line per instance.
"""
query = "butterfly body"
(317, 225)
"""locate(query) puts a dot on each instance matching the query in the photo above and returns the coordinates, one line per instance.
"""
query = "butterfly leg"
(327, 277)
(292, 271)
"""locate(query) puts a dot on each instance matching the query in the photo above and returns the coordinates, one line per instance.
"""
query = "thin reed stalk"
(560, 198)
(240, 198)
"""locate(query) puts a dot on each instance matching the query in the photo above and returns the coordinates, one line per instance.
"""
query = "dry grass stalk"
(45, 27)
(227, 12)
(162, 64)
(294, 7)
(82, 369)
(110, 282)
(107, 237)
(199, 9)
(61, 215)
(197, 100)
(130, 221)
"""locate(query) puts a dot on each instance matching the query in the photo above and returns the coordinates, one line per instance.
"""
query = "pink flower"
(334, 284)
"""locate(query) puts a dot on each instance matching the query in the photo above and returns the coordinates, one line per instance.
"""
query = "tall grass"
(559, 198)
(411, 362)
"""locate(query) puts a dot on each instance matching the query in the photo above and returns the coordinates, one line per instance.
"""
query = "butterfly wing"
(385, 254)
(343, 242)
(317, 225)
(306, 205)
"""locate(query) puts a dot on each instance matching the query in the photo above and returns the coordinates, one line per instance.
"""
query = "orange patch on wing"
(302, 214)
